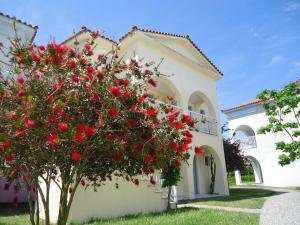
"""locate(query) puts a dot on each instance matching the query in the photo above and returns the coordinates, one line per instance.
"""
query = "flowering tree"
(68, 119)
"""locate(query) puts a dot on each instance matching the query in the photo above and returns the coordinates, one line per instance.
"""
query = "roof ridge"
(18, 20)
(252, 102)
(85, 29)
(135, 28)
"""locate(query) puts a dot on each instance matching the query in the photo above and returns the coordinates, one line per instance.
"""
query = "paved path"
(281, 209)
(231, 209)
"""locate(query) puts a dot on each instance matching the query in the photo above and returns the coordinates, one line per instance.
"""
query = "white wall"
(266, 153)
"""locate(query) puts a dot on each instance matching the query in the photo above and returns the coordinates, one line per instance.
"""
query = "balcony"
(205, 124)
(247, 142)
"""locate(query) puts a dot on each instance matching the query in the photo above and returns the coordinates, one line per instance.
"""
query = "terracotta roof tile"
(253, 102)
(135, 28)
(20, 21)
(83, 30)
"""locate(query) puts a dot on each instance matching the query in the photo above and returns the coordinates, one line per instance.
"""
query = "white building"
(243, 121)
(27, 33)
(193, 87)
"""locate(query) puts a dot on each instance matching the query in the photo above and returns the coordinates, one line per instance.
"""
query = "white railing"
(247, 142)
(205, 124)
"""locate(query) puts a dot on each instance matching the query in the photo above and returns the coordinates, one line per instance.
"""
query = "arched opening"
(166, 92)
(201, 109)
(245, 135)
(202, 172)
(252, 173)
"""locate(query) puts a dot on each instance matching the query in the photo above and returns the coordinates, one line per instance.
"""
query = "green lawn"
(184, 217)
(19, 216)
(239, 197)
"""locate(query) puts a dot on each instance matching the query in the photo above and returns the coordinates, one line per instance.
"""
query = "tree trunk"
(63, 206)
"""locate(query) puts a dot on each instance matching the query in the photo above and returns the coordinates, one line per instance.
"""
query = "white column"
(238, 178)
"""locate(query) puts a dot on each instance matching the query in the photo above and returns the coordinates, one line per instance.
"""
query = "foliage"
(282, 110)
(69, 117)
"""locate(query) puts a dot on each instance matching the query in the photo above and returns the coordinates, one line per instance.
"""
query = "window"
(190, 108)
(202, 111)
(207, 160)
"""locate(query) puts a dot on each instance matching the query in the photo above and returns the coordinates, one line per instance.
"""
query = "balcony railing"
(205, 124)
(247, 142)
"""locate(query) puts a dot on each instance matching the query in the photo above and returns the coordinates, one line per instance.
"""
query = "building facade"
(244, 121)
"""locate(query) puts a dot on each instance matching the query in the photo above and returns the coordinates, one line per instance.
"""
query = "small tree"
(69, 118)
(282, 110)
(234, 158)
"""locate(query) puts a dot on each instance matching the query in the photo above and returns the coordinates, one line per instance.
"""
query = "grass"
(10, 215)
(239, 197)
(19, 216)
(184, 217)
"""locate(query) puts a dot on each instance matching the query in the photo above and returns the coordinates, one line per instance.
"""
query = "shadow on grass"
(237, 194)
(7, 209)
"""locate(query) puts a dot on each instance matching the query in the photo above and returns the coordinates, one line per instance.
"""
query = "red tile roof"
(253, 102)
(83, 30)
(135, 28)
(20, 21)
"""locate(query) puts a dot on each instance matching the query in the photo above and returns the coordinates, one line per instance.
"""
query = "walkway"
(231, 209)
(282, 209)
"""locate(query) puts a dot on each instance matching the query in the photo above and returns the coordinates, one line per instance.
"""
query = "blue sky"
(256, 44)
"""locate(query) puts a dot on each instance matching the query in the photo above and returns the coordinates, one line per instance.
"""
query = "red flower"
(126, 94)
(118, 156)
(177, 163)
(30, 123)
(174, 145)
(10, 156)
(76, 156)
(187, 140)
(20, 80)
(52, 119)
(186, 119)
(72, 64)
(89, 131)
(75, 79)
(171, 117)
(151, 112)
(59, 112)
(95, 34)
(178, 125)
(80, 128)
(11, 115)
(80, 137)
(137, 147)
(187, 133)
(62, 126)
(199, 150)
(59, 85)
(115, 91)
(5, 144)
(147, 72)
(53, 139)
(124, 82)
(141, 98)
(90, 69)
(19, 133)
(152, 82)
(113, 112)
(94, 97)
(35, 56)
(148, 158)
(42, 48)
(184, 147)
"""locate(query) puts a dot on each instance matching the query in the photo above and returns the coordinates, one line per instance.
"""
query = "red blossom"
(118, 156)
(76, 156)
(177, 163)
(90, 69)
(171, 117)
(178, 125)
(124, 82)
(126, 94)
(199, 150)
(94, 97)
(35, 56)
(113, 112)
(187, 133)
(137, 147)
(11, 115)
(72, 64)
(20, 80)
(42, 48)
(187, 140)
(95, 34)
(184, 147)
(19, 133)
(80, 137)
(148, 158)
(115, 91)
(151, 112)
(75, 79)
(62, 126)
(10, 156)
(80, 128)
(152, 82)
(53, 139)
(5, 144)
(186, 119)
(52, 119)
(174, 145)
(89, 131)
(30, 123)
